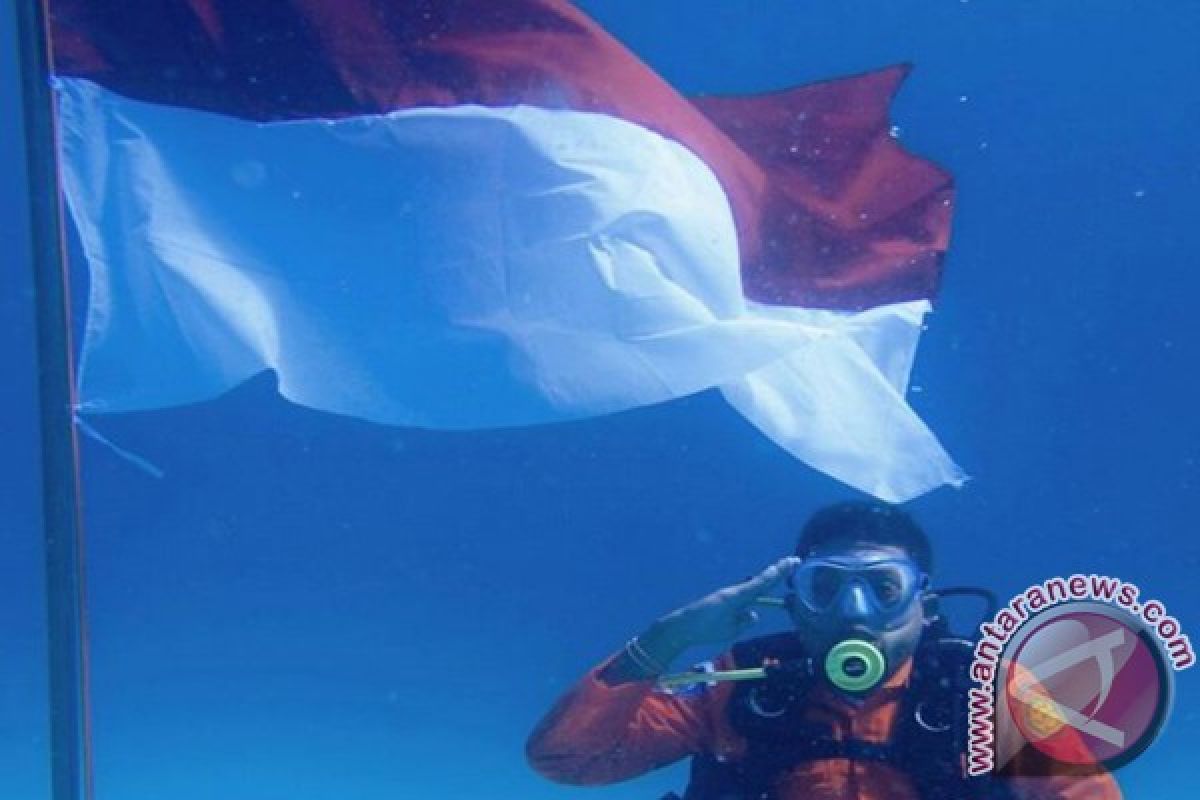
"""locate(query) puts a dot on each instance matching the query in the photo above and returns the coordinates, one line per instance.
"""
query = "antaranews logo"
(1077, 668)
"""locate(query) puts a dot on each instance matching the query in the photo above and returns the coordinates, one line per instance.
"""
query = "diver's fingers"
(770, 577)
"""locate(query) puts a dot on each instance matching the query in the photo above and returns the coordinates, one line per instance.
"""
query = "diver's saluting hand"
(713, 619)
(726, 613)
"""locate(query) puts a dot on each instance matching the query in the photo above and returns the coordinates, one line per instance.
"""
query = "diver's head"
(866, 566)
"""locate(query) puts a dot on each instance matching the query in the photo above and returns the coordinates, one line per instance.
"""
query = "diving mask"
(880, 589)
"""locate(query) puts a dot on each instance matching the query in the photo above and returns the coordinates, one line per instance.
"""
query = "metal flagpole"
(61, 497)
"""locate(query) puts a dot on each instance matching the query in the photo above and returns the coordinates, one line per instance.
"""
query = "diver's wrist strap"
(644, 661)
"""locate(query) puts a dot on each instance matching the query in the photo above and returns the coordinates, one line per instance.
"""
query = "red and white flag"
(470, 213)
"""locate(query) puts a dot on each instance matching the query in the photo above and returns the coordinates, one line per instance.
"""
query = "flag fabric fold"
(471, 214)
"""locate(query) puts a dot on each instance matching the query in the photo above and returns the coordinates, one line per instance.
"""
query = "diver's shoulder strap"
(931, 737)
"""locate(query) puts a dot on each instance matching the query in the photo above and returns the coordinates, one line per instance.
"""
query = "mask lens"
(890, 585)
(825, 584)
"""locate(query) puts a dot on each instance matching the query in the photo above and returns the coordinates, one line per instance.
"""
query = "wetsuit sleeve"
(599, 733)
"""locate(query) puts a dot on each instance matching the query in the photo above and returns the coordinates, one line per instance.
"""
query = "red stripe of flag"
(831, 211)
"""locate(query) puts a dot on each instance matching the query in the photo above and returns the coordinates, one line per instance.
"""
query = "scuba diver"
(864, 698)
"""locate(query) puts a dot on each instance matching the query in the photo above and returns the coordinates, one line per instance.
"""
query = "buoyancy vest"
(928, 743)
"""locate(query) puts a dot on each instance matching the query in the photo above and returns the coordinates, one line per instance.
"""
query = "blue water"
(305, 606)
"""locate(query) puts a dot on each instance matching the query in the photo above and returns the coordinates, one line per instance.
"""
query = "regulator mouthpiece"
(855, 665)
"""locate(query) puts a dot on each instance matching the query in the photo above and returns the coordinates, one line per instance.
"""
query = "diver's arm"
(600, 733)
(717, 618)
(659, 646)
(613, 725)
